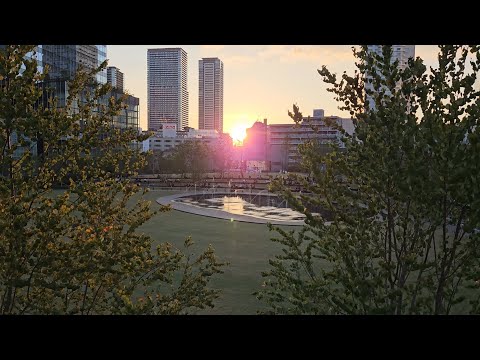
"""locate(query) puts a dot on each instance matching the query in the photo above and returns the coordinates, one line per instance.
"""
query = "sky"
(260, 81)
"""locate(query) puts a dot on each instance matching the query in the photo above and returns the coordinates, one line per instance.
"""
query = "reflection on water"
(260, 206)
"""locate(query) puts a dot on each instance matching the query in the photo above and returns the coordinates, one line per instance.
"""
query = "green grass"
(247, 248)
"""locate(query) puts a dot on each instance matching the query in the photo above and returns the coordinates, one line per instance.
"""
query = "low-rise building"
(167, 137)
(277, 145)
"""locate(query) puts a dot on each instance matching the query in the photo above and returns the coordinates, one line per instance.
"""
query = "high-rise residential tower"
(210, 94)
(167, 87)
(400, 52)
(115, 77)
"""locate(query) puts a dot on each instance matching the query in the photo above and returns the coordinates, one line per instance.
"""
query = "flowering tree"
(79, 251)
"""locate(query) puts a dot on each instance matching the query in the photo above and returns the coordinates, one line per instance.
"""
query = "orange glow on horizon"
(238, 133)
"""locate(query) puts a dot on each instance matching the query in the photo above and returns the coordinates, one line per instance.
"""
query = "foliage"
(222, 153)
(191, 156)
(159, 162)
(79, 251)
(404, 196)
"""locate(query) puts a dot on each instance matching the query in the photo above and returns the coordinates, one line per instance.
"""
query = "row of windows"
(167, 141)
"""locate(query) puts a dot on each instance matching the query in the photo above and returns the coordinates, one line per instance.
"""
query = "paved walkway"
(220, 214)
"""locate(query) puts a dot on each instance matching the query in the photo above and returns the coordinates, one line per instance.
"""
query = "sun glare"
(238, 133)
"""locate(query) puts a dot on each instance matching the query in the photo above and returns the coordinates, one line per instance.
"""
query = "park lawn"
(246, 247)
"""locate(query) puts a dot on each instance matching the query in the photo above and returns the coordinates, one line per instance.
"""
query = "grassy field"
(247, 247)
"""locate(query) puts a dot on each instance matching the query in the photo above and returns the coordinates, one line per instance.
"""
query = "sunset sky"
(260, 81)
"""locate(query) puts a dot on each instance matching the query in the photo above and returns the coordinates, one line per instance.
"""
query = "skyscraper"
(210, 94)
(115, 77)
(101, 57)
(37, 54)
(167, 87)
(65, 60)
(400, 52)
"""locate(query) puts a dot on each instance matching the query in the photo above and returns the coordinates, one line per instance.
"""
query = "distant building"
(255, 144)
(167, 87)
(63, 63)
(284, 139)
(168, 137)
(65, 60)
(399, 52)
(127, 118)
(37, 53)
(210, 94)
(276, 145)
(115, 77)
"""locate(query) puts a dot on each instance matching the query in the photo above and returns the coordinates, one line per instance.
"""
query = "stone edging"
(220, 214)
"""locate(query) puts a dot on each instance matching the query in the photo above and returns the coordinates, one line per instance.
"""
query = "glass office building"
(37, 53)
(63, 62)
(101, 57)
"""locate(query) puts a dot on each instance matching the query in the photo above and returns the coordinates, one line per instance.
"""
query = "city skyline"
(261, 81)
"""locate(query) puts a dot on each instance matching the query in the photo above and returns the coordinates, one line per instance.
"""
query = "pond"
(269, 207)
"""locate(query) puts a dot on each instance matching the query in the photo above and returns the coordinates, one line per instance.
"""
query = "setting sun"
(238, 133)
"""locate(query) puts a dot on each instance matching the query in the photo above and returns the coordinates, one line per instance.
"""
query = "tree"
(404, 196)
(79, 251)
(223, 153)
(191, 156)
(158, 162)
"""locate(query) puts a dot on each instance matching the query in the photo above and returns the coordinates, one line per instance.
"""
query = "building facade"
(37, 54)
(129, 117)
(101, 57)
(167, 137)
(167, 87)
(399, 52)
(115, 77)
(65, 60)
(210, 94)
(255, 144)
(277, 145)
(284, 139)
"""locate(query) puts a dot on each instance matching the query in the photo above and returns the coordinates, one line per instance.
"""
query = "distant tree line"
(194, 157)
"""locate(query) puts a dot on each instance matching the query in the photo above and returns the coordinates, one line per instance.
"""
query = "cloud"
(323, 55)
(241, 55)
(238, 60)
(212, 47)
(233, 56)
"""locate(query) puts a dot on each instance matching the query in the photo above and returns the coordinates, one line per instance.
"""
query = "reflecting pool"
(260, 206)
